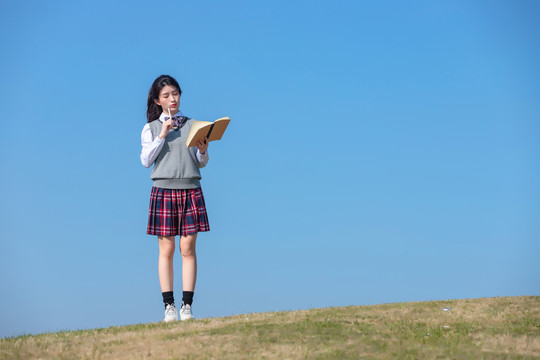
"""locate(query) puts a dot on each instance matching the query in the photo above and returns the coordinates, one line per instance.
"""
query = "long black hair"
(153, 110)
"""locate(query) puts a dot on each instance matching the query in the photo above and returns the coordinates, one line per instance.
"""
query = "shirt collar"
(164, 115)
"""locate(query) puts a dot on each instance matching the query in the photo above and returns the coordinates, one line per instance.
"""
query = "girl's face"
(169, 98)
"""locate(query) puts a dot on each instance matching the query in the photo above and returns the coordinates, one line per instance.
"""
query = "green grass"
(490, 328)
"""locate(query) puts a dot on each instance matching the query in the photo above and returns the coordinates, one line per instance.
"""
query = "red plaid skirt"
(177, 212)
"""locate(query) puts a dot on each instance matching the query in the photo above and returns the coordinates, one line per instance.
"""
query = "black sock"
(187, 297)
(168, 298)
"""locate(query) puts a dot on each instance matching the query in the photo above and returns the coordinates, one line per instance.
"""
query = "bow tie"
(178, 121)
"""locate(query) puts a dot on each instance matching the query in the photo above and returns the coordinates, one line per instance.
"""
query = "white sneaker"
(185, 312)
(171, 314)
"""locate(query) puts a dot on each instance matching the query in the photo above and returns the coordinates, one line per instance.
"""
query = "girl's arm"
(201, 153)
(150, 146)
(202, 159)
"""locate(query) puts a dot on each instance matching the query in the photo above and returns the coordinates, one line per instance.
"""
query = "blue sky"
(378, 152)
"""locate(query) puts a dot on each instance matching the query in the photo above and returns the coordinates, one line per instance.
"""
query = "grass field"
(488, 328)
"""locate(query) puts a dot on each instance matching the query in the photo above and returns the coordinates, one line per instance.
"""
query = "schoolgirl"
(176, 201)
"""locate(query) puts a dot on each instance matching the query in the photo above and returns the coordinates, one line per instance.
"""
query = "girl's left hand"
(203, 146)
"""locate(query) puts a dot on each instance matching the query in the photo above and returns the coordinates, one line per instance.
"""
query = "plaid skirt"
(177, 212)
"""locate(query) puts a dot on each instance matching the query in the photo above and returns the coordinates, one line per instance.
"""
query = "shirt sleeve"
(202, 160)
(150, 146)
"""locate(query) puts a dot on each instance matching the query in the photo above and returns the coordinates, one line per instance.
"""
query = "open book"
(212, 130)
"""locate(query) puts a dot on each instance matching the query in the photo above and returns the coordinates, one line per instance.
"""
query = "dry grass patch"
(491, 328)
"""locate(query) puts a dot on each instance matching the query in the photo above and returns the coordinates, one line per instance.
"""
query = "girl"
(176, 202)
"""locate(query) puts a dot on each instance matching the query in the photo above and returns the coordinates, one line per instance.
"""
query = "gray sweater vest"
(176, 166)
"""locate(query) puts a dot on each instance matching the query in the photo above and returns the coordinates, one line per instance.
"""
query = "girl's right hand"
(165, 128)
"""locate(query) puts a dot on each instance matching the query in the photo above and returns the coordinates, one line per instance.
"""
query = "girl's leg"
(189, 261)
(165, 264)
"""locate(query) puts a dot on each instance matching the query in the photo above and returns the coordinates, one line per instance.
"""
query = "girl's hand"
(165, 128)
(203, 146)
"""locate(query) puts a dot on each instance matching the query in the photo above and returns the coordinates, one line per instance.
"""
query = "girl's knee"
(187, 250)
(166, 250)
(187, 246)
(166, 247)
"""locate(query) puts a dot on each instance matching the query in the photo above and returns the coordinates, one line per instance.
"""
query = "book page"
(197, 125)
(199, 130)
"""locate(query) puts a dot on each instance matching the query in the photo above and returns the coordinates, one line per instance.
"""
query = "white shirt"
(151, 147)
